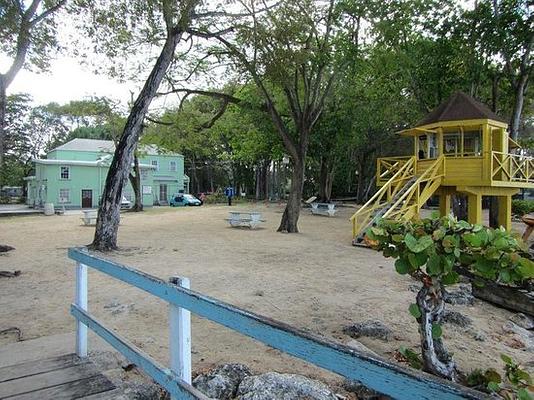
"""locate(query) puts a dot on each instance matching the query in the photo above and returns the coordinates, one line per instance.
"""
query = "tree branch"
(47, 12)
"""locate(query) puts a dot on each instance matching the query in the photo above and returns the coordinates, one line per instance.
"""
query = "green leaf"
(438, 234)
(436, 331)
(417, 259)
(402, 266)
(397, 238)
(378, 231)
(494, 387)
(492, 376)
(472, 240)
(501, 243)
(417, 245)
(412, 357)
(526, 268)
(450, 279)
(414, 310)
(506, 359)
(523, 394)
(433, 265)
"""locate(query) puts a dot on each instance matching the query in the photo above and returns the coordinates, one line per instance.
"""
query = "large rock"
(523, 320)
(275, 386)
(459, 294)
(456, 318)
(524, 337)
(222, 381)
(371, 328)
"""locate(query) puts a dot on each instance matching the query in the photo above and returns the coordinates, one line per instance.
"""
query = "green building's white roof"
(88, 145)
(107, 146)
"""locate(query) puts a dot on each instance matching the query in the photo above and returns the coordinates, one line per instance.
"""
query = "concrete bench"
(327, 209)
(252, 219)
(89, 217)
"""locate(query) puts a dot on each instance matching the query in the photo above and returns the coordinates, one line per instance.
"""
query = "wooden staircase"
(401, 197)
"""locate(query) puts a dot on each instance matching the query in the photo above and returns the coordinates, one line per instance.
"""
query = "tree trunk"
(3, 111)
(459, 206)
(323, 181)
(292, 211)
(494, 92)
(436, 358)
(135, 180)
(107, 224)
(266, 164)
(493, 212)
(519, 99)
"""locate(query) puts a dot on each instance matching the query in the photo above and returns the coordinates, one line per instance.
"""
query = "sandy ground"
(314, 280)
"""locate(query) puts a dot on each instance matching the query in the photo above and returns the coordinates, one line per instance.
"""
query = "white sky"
(67, 80)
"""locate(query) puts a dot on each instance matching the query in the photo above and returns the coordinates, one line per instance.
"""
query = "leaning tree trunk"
(135, 180)
(3, 112)
(291, 214)
(107, 224)
(436, 358)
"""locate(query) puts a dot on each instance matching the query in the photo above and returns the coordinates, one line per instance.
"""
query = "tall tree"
(513, 33)
(27, 35)
(123, 23)
(289, 53)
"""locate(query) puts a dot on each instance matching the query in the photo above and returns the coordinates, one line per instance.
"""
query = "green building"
(73, 175)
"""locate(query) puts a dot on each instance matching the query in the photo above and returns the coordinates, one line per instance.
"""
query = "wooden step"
(62, 377)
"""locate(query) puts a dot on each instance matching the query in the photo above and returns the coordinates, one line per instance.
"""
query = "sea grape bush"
(434, 248)
(516, 383)
(435, 251)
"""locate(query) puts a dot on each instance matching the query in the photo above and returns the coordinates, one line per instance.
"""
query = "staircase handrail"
(434, 167)
(383, 190)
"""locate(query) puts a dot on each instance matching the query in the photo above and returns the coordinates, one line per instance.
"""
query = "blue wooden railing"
(373, 372)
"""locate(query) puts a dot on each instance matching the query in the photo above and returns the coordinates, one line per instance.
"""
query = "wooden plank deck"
(43, 368)
(62, 377)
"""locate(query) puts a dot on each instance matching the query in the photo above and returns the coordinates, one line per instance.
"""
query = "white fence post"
(81, 302)
(180, 335)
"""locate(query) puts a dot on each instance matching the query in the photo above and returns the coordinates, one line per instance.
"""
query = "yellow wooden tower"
(460, 147)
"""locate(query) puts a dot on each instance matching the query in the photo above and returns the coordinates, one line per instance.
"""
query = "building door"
(163, 193)
(87, 198)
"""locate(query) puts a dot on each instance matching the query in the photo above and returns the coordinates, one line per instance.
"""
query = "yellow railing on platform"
(507, 167)
(409, 202)
(403, 171)
(386, 167)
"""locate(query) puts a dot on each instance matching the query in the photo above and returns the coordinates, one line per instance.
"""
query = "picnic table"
(328, 209)
(252, 219)
(89, 217)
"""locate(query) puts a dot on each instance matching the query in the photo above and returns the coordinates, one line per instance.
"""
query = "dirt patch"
(314, 280)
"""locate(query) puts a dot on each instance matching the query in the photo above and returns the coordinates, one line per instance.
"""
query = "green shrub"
(522, 207)
(434, 251)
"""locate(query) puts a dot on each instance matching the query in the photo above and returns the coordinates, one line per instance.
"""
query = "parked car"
(125, 204)
(181, 199)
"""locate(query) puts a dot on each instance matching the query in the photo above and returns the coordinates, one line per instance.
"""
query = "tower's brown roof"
(459, 106)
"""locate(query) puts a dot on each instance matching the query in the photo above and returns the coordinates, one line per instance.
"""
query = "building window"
(451, 144)
(64, 172)
(155, 163)
(64, 196)
(472, 143)
(172, 166)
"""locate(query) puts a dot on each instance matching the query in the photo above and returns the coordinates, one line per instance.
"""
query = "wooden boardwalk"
(36, 370)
